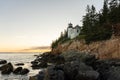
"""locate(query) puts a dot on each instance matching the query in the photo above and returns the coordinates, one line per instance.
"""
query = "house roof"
(77, 26)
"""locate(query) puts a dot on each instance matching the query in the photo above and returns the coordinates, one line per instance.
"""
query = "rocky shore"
(7, 68)
(73, 65)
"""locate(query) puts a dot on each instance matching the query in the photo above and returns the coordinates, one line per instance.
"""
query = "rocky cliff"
(102, 49)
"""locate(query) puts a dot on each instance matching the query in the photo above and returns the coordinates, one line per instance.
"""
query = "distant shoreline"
(19, 52)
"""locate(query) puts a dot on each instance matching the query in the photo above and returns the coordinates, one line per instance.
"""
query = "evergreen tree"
(114, 11)
(63, 38)
(92, 26)
(105, 12)
(90, 20)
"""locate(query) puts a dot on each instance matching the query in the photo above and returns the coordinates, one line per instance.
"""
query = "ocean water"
(14, 58)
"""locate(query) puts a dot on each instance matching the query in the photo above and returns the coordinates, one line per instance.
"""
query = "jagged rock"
(7, 68)
(33, 78)
(24, 71)
(3, 61)
(41, 75)
(87, 75)
(76, 70)
(113, 73)
(19, 64)
(73, 55)
(59, 59)
(17, 70)
(35, 66)
(54, 74)
(43, 65)
(34, 62)
(90, 60)
(36, 55)
(39, 65)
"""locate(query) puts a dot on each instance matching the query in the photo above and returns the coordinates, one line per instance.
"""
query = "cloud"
(37, 48)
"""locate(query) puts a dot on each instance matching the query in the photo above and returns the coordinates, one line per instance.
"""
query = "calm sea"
(14, 58)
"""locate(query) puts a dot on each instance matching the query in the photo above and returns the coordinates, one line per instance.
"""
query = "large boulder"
(54, 74)
(43, 64)
(73, 55)
(17, 70)
(108, 69)
(46, 57)
(7, 68)
(33, 78)
(34, 62)
(35, 66)
(87, 75)
(76, 70)
(50, 58)
(38, 65)
(3, 61)
(59, 59)
(114, 73)
(41, 75)
(103, 67)
(24, 71)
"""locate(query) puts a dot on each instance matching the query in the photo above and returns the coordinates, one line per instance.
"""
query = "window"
(77, 30)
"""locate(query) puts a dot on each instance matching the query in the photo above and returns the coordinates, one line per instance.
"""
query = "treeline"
(99, 25)
(63, 38)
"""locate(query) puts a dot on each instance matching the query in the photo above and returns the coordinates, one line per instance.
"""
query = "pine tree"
(92, 26)
(90, 22)
(105, 12)
(114, 11)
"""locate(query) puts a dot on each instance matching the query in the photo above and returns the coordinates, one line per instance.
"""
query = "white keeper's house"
(73, 32)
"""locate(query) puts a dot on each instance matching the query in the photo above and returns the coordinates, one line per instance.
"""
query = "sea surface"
(14, 58)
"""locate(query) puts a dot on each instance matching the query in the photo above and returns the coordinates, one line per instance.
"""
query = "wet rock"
(90, 60)
(58, 59)
(50, 58)
(7, 68)
(108, 69)
(33, 78)
(73, 55)
(36, 55)
(54, 74)
(19, 64)
(43, 64)
(87, 75)
(34, 62)
(39, 65)
(17, 70)
(24, 71)
(3, 61)
(47, 57)
(41, 75)
(102, 67)
(35, 66)
(113, 73)
(76, 70)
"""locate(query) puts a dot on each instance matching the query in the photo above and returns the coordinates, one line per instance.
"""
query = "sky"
(33, 24)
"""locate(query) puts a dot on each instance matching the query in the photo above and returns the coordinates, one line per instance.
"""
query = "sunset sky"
(34, 24)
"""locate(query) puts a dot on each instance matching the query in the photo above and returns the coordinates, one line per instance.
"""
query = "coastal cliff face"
(102, 49)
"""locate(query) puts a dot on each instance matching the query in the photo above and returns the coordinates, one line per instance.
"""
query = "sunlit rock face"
(102, 49)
